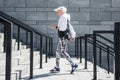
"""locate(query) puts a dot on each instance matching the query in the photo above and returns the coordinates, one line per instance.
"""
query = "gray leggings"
(61, 50)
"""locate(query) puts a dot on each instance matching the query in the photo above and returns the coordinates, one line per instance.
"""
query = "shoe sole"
(54, 71)
(73, 70)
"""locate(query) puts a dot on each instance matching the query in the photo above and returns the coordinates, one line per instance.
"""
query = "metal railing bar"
(18, 40)
(103, 48)
(41, 40)
(105, 38)
(94, 57)
(99, 45)
(80, 49)
(91, 36)
(26, 39)
(104, 31)
(46, 50)
(31, 54)
(102, 43)
(117, 50)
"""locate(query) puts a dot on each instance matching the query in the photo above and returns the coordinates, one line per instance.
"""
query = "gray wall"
(87, 15)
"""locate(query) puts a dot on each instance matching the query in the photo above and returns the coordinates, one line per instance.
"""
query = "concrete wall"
(87, 15)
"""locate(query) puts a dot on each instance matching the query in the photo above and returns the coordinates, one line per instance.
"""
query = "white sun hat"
(63, 8)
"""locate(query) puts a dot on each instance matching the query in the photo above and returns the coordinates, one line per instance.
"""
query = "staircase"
(20, 60)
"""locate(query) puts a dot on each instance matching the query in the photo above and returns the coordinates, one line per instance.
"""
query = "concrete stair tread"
(64, 74)
(14, 75)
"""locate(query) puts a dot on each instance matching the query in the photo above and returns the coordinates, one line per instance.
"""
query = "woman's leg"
(58, 53)
(64, 53)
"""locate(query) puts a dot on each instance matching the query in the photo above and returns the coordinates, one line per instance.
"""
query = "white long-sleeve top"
(62, 24)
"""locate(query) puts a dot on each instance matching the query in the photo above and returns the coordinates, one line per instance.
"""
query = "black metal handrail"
(98, 44)
(103, 48)
(102, 42)
(98, 35)
(91, 42)
(8, 22)
(94, 50)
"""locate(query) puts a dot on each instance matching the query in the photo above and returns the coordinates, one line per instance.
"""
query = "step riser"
(13, 76)
(17, 61)
(20, 60)
(2, 68)
(25, 69)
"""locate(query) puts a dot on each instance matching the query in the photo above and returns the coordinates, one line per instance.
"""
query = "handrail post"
(18, 38)
(8, 49)
(26, 39)
(108, 59)
(80, 49)
(49, 48)
(4, 39)
(100, 55)
(117, 50)
(77, 55)
(31, 54)
(94, 57)
(41, 51)
(75, 47)
(46, 51)
(85, 51)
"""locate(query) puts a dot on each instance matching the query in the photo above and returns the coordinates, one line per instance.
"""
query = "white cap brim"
(55, 10)
(64, 9)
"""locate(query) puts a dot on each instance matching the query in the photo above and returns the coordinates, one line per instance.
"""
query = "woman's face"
(59, 12)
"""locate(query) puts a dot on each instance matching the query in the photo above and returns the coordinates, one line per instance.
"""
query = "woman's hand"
(53, 26)
(73, 39)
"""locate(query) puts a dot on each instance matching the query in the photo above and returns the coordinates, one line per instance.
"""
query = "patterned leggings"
(61, 50)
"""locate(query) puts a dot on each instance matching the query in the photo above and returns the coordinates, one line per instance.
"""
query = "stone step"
(13, 49)
(13, 44)
(3, 64)
(16, 61)
(80, 74)
(1, 49)
(1, 35)
(16, 54)
(1, 43)
(23, 69)
(13, 76)
(20, 70)
(22, 59)
(2, 56)
(101, 73)
(25, 51)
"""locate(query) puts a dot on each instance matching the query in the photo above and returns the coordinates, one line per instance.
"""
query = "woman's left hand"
(73, 39)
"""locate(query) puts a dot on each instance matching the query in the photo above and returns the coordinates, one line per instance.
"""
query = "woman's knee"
(57, 54)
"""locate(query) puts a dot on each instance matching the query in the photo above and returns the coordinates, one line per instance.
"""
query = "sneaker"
(55, 70)
(74, 68)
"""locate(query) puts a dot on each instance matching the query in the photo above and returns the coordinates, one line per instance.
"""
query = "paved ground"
(64, 74)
